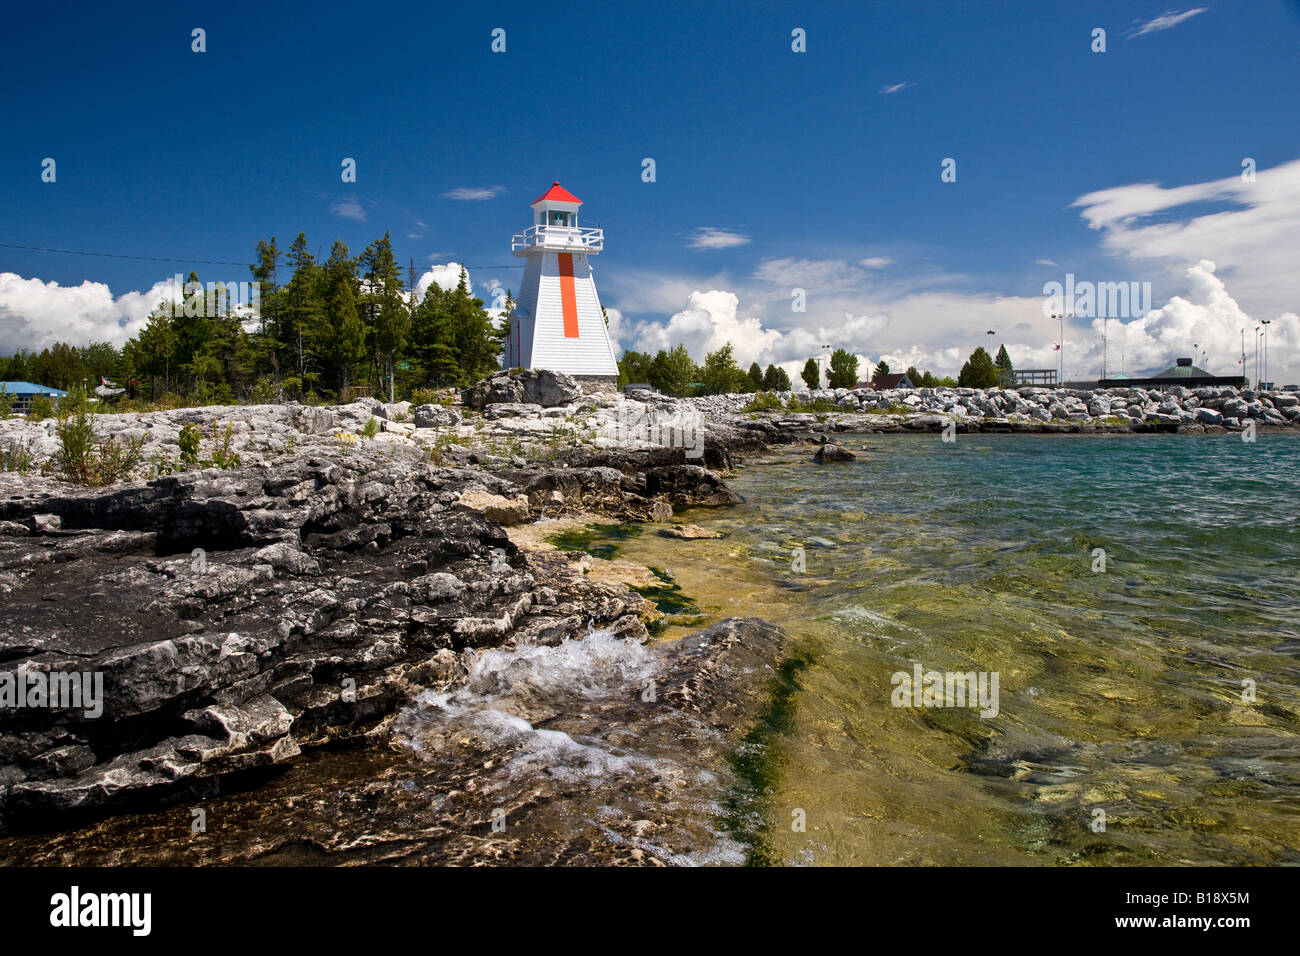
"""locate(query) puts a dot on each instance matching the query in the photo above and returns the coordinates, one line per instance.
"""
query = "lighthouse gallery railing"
(559, 237)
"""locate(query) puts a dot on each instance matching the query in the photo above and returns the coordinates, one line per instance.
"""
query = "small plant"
(84, 460)
(371, 429)
(189, 440)
(17, 456)
(347, 441)
(222, 457)
(41, 408)
(7, 401)
(161, 464)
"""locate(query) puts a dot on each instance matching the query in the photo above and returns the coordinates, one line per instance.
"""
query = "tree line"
(329, 330)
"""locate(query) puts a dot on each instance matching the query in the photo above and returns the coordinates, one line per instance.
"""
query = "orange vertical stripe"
(568, 299)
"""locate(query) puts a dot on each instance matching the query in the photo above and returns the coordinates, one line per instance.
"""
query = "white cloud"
(1044, 262)
(1252, 241)
(707, 237)
(36, 314)
(1207, 316)
(1166, 21)
(815, 276)
(876, 262)
(350, 208)
(896, 87)
(444, 276)
(709, 321)
(473, 193)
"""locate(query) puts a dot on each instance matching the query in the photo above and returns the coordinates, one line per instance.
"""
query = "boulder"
(498, 508)
(435, 416)
(829, 451)
(536, 386)
(690, 532)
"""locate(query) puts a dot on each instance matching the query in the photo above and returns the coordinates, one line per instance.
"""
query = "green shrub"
(41, 408)
(189, 441)
(371, 429)
(222, 457)
(764, 402)
(84, 460)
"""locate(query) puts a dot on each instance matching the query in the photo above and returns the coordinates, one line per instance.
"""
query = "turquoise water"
(1120, 690)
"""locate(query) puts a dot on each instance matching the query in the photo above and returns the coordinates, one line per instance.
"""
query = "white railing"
(586, 239)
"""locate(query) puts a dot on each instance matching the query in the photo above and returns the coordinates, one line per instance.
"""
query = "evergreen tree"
(473, 337)
(266, 272)
(755, 376)
(776, 379)
(881, 371)
(388, 314)
(979, 371)
(347, 340)
(1006, 373)
(811, 374)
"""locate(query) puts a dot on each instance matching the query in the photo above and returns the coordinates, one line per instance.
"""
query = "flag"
(1056, 346)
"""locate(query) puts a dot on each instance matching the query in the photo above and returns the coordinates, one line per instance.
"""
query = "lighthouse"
(557, 323)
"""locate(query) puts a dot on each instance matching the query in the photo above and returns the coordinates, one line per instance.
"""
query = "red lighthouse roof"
(557, 193)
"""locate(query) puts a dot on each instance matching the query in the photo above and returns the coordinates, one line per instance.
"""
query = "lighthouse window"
(560, 218)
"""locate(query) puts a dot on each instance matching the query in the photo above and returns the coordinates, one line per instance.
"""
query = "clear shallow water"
(1119, 691)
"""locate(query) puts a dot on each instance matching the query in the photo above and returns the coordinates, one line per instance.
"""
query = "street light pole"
(1266, 322)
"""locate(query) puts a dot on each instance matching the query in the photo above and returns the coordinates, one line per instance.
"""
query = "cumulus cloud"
(473, 193)
(708, 237)
(445, 277)
(1166, 21)
(36, 314)
(1208, 317)
(1253, 240)
(709, 321)
(350, 208)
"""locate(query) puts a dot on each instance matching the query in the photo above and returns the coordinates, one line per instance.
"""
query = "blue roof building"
(30, 389)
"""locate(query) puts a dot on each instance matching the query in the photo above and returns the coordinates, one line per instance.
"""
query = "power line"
(204, 262)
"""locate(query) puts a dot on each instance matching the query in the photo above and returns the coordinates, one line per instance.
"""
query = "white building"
(557, 322)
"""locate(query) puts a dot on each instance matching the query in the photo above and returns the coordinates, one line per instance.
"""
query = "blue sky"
(774, 169)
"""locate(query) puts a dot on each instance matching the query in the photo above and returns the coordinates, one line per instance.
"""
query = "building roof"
(886, 382)
(556, 193)
(28, 388)
(1183, 371)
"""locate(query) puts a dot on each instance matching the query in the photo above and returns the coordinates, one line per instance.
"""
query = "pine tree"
(389, 315)
(811, 374)
(1006, 373)
(979, 371)
(881, 371)
(347, 341)
(756, 376)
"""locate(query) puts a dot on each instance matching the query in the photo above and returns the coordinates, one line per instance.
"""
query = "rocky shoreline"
(314, 596)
